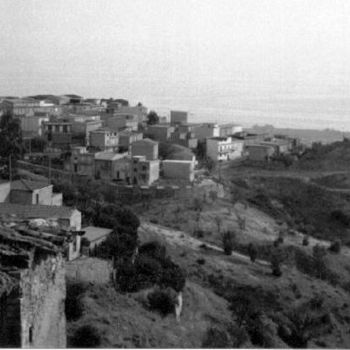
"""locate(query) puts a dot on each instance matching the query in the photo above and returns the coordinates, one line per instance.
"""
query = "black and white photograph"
(175, 174)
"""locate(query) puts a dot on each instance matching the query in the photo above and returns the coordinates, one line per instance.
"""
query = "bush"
(201, 261)
(335, 246)
(73, 306)
(162, 301)
(305, 241)
(227, 242)
(216, 338)
(86, 337)
(172, 276)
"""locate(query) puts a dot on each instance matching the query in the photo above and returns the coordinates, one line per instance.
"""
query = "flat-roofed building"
(178, 169)
(145, 147)
(178, 117)
(224, 148)
(205, 130)
(259, 153)
(160, 132)
(112, 166)
(230, 129)
(126, 138)
(104, 139)
(144, 172)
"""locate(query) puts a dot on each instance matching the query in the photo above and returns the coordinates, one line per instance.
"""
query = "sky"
(143, 48)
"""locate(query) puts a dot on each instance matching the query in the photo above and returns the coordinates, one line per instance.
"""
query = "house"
(95, 236)
(144, 172)
(185, 139)
(145, 147)
(126, 138)
(82, 129)
(112, 166)
(224, 148)
(281, 146)
(20, 106)
(32, 289)
(205, 130)
(229, 129)
(259, 153)
(58, 133)
(104, 139)
(119, 121)
(160, 132)
(81, 162)
(34, 192)
(33, 125)
(121, 106)
(178, 169)
(67, 218)
(178, 117)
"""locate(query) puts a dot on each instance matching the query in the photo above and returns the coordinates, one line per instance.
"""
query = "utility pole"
(49, 170)
(10, 169)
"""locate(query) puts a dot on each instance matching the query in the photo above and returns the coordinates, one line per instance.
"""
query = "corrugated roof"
(93, 233)
(36, 211)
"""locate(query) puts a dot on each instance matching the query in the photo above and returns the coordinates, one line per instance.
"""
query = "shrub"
(73, 306)
(276, 260)
(86, 337)
(162, 301)
(227, 242)
(172, 276)
(305, 241)
(335, 246)
(216, 338)
(201, 261)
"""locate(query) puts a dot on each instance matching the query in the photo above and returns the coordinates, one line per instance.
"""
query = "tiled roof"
(109, 156)
(27, 185)
(146, 140)
(36, 211)
(93, 233)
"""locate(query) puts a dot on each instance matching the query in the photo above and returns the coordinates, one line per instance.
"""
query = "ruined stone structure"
(32, 287)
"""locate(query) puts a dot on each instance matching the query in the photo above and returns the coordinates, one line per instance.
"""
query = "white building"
(224, 148)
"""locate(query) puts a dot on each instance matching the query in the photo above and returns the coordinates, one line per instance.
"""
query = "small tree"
(152, 118)
(305, 240)
(218, 222)
(162, 301)
(319, 254)
(227, 242)
(276, 261)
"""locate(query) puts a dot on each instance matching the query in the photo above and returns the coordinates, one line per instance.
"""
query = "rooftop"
(36, 211)
(147, 141)
(93, 233)
(109, 156)
(27, 185)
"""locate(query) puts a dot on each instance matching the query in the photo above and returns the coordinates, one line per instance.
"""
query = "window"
(37, 198)
(65, 128)
(144, 168)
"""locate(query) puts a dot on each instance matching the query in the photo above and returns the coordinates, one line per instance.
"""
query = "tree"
(335, 246)
(276, 261)
(319, 254)
(253, 252)
(227, 242)
(152, 118)
(11, 144)
(218, 222)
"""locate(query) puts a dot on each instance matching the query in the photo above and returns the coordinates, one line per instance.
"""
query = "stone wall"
(43, 322)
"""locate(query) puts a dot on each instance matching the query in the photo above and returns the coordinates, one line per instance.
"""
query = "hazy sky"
(136, 48)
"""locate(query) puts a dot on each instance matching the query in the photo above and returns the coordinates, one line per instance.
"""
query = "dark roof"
(36, 211)
(28, 185)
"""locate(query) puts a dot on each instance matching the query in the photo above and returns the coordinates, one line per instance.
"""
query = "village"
(128, 149)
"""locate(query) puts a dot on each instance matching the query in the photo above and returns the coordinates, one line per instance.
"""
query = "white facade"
(221, 148)
(33, 124)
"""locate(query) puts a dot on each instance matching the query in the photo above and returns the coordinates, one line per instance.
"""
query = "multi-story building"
(146, 147)
(224, 148)
(112, 166)
(185, 139)
(178, 117)
(178, 169)
(33, 125)
(120, 107)
(126, 138)
(58, 133)
(122, 121)
(229, 129)
(160, 132)
(202, 131)
(104, 139)
(144, 172)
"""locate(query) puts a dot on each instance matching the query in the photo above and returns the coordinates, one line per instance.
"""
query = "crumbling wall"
(43, 323)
